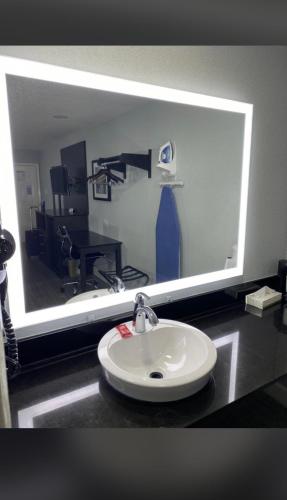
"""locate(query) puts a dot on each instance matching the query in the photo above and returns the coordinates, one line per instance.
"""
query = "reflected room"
(116, 192)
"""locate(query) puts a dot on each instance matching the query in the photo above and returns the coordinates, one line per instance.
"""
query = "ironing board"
(167, 238)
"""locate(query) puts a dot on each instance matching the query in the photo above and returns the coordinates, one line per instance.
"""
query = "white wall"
(253, 74)
(208, 145)
(26, 156)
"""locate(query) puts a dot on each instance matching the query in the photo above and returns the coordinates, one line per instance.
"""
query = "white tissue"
(263, 298)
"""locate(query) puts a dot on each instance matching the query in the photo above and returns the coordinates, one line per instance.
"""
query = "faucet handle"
(140, 318)
(140, 298)
(139, 302)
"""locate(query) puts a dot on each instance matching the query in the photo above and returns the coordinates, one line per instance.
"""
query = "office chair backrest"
(65, 241)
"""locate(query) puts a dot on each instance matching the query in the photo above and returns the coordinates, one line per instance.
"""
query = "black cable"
(12, 357)
(7, 249)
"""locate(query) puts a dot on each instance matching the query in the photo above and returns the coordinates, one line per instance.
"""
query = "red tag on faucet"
(124, 331)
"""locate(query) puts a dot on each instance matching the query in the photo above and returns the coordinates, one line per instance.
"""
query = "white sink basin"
(92, 294)
(169, 362)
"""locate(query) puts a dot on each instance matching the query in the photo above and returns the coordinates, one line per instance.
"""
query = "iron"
(167, 158)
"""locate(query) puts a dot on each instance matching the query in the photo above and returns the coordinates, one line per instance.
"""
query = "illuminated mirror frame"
(68, 315)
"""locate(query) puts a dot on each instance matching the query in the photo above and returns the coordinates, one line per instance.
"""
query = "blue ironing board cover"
(167, 238)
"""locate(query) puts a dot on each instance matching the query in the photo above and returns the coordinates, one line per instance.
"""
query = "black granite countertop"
(252, 352)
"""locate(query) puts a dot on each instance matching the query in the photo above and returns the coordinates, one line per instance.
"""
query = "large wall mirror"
(110, 186)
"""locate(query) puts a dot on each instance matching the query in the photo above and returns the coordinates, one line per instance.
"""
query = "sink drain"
(156, 375)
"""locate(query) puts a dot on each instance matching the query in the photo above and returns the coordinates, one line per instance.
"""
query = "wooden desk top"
(86, 239)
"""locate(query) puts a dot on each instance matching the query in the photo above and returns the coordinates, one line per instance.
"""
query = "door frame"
(31, 164)
(37, 167)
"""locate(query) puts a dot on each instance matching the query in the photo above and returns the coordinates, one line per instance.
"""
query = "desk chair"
(68, 253)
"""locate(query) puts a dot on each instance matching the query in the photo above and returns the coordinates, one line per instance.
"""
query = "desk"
(88, 242)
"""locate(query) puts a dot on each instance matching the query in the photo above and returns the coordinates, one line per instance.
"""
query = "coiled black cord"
(7, 249)
(12, 357)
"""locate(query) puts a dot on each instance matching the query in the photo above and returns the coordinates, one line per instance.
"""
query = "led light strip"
(232, 338)
(83, 311)
(26, 416)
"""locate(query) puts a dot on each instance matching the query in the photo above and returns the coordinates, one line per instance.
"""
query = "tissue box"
(263, 298)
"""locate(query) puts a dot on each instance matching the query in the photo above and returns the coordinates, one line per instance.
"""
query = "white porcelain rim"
(130, 378)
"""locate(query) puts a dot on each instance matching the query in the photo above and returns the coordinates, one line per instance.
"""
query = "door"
(28, 195)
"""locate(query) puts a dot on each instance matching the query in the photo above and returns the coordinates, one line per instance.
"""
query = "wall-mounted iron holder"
(119, 162)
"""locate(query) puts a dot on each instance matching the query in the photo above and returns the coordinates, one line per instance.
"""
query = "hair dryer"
(7, 249)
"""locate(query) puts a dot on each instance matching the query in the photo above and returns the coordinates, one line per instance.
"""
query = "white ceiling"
(32, 104)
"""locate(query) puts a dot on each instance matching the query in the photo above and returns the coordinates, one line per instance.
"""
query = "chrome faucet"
(141, 311)
(139, 300)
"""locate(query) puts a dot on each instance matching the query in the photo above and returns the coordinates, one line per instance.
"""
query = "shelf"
(119, 162)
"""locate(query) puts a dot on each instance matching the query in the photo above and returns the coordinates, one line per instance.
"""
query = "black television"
(59, 180)
(73, 157)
